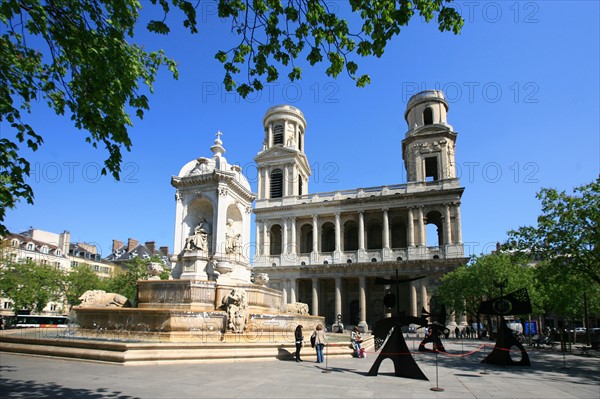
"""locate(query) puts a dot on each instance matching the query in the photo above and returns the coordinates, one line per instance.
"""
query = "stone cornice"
(214, 177)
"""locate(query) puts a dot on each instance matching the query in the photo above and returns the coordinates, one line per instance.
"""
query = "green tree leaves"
(79, 57)
(567, 235)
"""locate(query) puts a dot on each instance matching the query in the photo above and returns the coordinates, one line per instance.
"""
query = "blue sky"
(522, 81)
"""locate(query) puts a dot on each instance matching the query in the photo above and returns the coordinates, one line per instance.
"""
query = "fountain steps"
(149, 353)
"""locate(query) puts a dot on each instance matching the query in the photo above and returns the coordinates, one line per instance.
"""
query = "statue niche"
(232, 239)
(199, 238)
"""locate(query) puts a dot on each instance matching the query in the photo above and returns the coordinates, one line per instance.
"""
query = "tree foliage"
(29, 285)
(463, 289)
(78, 57)
(125, 283)
(79, 280)
(567, 235)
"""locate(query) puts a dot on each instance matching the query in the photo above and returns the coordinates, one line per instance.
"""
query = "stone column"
(259, 241)
(286, 179)
(411, 228)
(447, 225)
(386, 231)
(266, 242)
(361, 231)
(338, 297)
(315, 235)
(315, 296)
(413, 300)
(293, 285)
(424, 299)
(422, 239)
(267, 183)
(458, 224)
(338, 245)
(284, 237)
(293, 238)
(362, 302)
(284, 293)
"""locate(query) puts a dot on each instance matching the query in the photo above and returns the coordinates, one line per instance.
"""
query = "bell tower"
(283, 169)
(428, 147)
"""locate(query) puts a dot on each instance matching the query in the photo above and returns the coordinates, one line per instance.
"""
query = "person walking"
(319, 338)
(299, 339)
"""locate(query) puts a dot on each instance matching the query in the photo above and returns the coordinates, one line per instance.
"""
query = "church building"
(327, 249)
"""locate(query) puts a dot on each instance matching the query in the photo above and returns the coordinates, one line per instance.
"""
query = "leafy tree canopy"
(567, 234)
(126, 283)
(29, 285)
(463, 289)
(79, 280)
(80, 59)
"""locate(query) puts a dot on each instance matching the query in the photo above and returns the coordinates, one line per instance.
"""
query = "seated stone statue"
(233, 245)
(100, 298)
(199, 238)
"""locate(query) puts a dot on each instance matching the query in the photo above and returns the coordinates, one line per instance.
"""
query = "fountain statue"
(211, 291)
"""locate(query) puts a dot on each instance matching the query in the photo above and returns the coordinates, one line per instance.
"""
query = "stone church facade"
(327, 249)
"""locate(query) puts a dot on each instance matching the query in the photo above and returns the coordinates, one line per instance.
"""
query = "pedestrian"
(356, 341)
(457, 332)
(299, 340)
(319, 338)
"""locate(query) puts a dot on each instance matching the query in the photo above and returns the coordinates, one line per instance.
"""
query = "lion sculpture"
(297, 307)
(154, 270)
(100, 298)
(236, 305)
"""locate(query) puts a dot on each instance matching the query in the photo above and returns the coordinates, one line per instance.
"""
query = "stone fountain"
(211, 295)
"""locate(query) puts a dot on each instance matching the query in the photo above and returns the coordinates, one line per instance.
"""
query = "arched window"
(398, 230)
(428, 116)
(434, 229)
(278, 135)
(350, 236)
(30, 246)
(306, 239)
(300, 133)
(14, 243)
(374, 235)
(300, 185)
(328, 237)
(275, 238)
(276, 183)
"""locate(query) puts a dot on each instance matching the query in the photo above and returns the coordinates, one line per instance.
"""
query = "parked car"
(580, 330)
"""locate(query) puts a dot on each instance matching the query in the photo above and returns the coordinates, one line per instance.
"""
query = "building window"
(300, 133)
(306, 239)
(14, 243)
(275, 239)
(428, 116)
(276, 183)
(328, 237)
(299, 185)
(30, 246)
(58, 252)
(278, 135)
(374, 235)
(7, 305)
(431, 169)
(44, 249)
(44, 262)
(52, 307)
(350, 236)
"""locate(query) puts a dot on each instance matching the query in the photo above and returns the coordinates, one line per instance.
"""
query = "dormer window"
(58, 252)
(278, 135)
(428, 116)
(30, 246)
(14, 243)
(44, 250)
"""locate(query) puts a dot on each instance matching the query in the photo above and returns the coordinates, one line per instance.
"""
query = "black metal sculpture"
(388, 333)
(436, 328)
(389, 330)
(512, 304)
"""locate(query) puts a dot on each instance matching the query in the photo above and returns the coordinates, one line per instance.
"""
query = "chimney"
(165, 250)
(131, 243)
(116, 245)
(151, 245)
